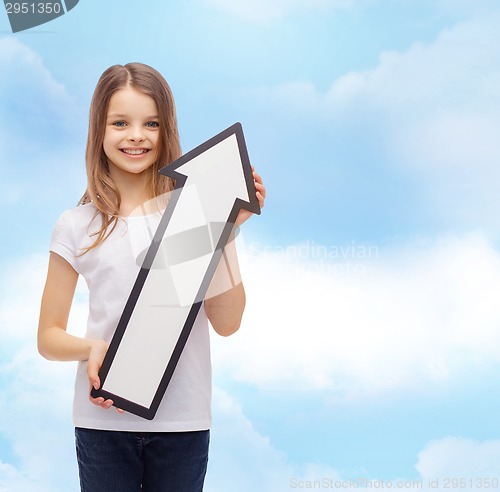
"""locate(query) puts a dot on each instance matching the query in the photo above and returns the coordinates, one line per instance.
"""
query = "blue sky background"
(369, 347)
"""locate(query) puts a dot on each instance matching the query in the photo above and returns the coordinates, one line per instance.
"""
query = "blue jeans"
(111, 461)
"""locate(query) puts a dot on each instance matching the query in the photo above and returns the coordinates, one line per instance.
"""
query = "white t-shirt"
(110, 271)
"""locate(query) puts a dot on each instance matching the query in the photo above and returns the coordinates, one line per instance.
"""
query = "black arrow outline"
(180, 180)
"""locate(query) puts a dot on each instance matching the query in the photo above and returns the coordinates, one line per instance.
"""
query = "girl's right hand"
(96, 356)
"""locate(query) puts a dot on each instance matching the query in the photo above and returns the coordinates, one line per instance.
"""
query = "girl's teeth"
(134, 152)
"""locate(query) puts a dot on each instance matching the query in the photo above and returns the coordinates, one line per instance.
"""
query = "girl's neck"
(133, 205)
(133, 193)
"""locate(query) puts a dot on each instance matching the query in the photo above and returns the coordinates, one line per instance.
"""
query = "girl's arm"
(225, 300)
(54, 342)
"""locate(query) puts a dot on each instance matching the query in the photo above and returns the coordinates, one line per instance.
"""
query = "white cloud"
(413, 315)
(242, 459)
(30, 68)
(458, 69)
(31, 97)
(41, 120)
(455, 457)
(36, 421)
(433, 111)
(457, 72)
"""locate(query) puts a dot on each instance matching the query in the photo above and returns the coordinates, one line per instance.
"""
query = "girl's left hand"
(96, 356)
(261, 196)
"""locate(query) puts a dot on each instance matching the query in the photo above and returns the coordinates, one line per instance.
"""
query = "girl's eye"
(152, 124)
(119, 123)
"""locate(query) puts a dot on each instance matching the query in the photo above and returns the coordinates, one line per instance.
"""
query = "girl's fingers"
(257, 177)
(101, 402)
(261, 193)
(259, 186)
(106, 404)
(92, 372)
(261, 200)
(95, 382)
(260, 189)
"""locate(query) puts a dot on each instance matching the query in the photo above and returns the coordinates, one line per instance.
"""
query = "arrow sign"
(213, 183)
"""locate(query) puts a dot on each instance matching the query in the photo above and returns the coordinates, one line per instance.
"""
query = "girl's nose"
(136, 134)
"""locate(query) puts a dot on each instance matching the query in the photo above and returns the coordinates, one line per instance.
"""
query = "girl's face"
(132, 133)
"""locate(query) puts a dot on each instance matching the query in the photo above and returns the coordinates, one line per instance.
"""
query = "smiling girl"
(132, 134)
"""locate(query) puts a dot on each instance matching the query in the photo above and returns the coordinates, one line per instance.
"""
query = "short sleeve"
(63, 240)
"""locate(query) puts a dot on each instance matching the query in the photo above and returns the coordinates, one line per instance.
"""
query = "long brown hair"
(101, 190)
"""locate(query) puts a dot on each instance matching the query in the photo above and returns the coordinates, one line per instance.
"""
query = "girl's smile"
(135, 152)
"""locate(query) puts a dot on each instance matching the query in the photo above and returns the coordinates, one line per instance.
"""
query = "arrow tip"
(172, 170)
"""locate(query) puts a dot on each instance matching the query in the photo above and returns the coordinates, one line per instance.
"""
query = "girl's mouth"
(134, 151)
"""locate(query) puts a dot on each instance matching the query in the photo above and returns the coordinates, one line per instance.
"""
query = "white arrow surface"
(213, 182)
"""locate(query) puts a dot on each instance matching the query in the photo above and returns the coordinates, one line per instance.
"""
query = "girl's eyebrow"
(118, 115)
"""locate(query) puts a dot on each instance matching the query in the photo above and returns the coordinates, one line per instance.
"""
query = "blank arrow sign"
(213, 183)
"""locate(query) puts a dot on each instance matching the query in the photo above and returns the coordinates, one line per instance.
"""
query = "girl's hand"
(261, 196)
(96, 356)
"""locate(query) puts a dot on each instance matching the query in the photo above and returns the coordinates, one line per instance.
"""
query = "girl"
(132, 134)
